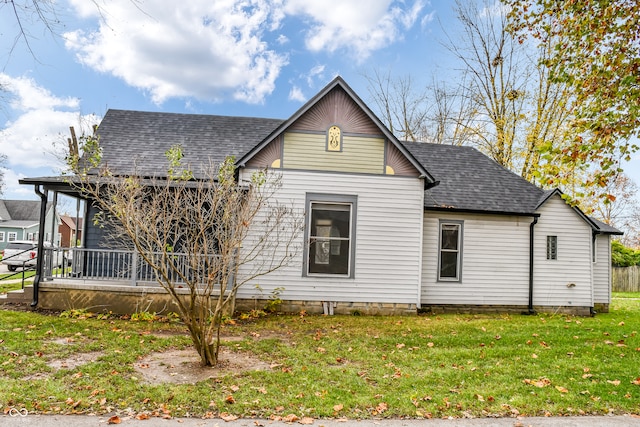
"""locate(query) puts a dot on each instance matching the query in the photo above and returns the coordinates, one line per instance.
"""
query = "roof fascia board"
(482, 212)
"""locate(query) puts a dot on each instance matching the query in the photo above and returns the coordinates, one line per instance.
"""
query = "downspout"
(43, 214)
(594, 233)
(531, 235)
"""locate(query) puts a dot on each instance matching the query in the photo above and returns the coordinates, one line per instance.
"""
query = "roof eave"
(480, 211)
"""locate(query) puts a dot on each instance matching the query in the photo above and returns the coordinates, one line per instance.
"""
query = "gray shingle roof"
(470, 181)
(22, 210)
(605, 228)
(137, 140)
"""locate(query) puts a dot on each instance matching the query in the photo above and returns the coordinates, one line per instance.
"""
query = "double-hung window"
(12, 236)
(330, 233)
(450, 251)
(1, 236)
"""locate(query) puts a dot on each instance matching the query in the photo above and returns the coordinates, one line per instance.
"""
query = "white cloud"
(13, 190)
(360, 26)
(204, 49)
(41, 119)
(214, 50)
(295, 94)
(29, 96)
(495, 10)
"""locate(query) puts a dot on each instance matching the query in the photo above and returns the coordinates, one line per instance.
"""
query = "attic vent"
(334, 139)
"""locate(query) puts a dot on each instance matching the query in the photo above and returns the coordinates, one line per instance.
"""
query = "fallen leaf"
(234, 388)
(562, 389)
(382, 407)
(636, 381)
(542, 382)
(114, 420)
(400, 345)
(228, 417)
(338, 408)
(614, 382)
(230, 399)
(142, 417)
(291, 418)
(479, 397)
(306, 421)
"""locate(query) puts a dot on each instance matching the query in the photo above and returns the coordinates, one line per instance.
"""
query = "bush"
(622, 256)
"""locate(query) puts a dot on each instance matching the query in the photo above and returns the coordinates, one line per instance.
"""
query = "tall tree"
(496, 73)
(596, 53)
(401, 105)
(621, 209)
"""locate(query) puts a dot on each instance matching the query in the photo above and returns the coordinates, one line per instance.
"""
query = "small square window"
(1, 236)
(12, 236)
(552, 247)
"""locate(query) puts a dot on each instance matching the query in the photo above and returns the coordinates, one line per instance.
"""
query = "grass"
(339, 366)
(13, 281)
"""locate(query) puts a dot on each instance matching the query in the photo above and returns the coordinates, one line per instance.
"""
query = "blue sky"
(231, 57)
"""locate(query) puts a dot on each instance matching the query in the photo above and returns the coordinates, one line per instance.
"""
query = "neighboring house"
(20, 220)
(70, 231)
(394, 226)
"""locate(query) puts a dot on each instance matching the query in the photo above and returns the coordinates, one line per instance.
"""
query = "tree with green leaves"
(595, 51)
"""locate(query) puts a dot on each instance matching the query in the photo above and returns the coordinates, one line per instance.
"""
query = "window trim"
(552, 247)
(460, 225)
(338, 199)
(11, 234)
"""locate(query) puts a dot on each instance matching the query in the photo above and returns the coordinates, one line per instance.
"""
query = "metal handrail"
(113, 265)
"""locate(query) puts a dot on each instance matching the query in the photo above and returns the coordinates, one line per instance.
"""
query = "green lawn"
(14, 278)
(341, 366)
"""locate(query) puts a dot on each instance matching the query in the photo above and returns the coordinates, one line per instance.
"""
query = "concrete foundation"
(127, 299)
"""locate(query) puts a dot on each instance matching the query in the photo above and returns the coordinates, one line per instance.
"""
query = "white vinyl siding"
(387, 243)
(565, 281)
(495, 261)
(602, 270)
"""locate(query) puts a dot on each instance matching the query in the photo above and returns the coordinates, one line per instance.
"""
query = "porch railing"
(112, 266)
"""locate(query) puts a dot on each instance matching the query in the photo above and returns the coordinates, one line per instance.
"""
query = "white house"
(391, 226)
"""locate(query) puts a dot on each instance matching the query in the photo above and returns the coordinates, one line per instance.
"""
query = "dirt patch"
(183, 366)
(75, 360)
